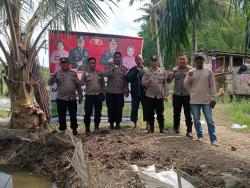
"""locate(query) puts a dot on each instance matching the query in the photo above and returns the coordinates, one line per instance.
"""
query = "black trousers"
(115, 103)
(153, 105)
(178, 102)
(90, 102)
(62, 107)
(135, 103)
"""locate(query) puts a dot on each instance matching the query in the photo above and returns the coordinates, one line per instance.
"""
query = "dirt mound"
(112, 152)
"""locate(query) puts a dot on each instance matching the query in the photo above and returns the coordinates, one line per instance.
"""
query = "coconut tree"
(243, 6)
(156, 12)
(153, 12)
(22, 25)
(177, 17)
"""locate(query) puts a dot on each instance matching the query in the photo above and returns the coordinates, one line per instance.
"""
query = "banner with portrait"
(78, 46)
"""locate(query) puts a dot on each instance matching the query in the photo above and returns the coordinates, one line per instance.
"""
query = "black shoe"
(162, 131)
(75, 132)
(189, 135)
(117, 126)
(87, 129)
(112, 126)
(150, 131)
(177, 131)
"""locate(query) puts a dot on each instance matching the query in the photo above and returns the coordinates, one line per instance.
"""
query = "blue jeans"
(207, 111)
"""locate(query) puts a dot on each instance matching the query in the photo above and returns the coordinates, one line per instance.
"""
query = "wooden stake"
(178, 174)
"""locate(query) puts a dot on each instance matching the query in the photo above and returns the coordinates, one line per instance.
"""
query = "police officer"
(78, 56)
(94, 95)
(134, 76)
(181, 96)
(107, 56)
(155, 81)
(117, 87)
(67, 84)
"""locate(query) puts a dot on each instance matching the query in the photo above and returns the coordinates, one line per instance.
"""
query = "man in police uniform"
(181, 96)
(107, 56)
(155, 81)
(78, 56)
(67, 84)
(117, 87)
(94, 95)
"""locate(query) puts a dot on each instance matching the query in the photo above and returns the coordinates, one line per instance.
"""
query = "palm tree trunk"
(25, 111)
(194, 39)
(157, 39)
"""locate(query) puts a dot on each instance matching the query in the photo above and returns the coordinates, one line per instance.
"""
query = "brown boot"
(87, 129)
(135, 125)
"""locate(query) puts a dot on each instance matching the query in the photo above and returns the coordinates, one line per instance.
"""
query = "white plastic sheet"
(237, 126)
(164, 179)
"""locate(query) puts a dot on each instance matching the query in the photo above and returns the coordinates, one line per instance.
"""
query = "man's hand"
(165, 99)
(150, 80)
(170, 74)
(80, 99)
(190, 73)
(212, 104)
(77, 80)
(126, 94)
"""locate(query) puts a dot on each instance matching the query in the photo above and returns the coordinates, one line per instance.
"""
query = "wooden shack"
(223, 62)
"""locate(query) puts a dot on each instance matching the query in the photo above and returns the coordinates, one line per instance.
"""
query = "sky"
(120, 22)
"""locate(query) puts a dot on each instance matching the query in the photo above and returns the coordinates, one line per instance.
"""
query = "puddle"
(16, 178)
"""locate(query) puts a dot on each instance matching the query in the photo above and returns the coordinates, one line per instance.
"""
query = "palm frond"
(131, 2)
(70, 12)
(175, 23)
(143, 18)
(13, 29)
(244, 6)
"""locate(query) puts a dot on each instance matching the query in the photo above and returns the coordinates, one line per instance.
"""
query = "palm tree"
(166, 15)
(243, 6)
(22, 74)
(154, 11)
(177, 18)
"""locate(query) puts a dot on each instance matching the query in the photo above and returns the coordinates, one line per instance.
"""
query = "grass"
(4, 113)
(239, 111)
(236, 111)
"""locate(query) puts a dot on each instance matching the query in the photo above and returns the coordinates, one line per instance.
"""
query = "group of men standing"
(194, 88)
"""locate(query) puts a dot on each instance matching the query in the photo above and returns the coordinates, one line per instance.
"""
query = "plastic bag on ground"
(163, 179)
(237, 126)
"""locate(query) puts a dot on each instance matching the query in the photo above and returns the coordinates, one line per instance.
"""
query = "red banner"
(78, 46)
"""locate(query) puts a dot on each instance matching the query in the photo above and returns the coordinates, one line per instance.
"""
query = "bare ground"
(114, 151)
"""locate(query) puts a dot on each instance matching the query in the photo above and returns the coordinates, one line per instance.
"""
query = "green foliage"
(217, 32)
(239, 111)
(149, 43)
(46, 74)
(218, 35)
